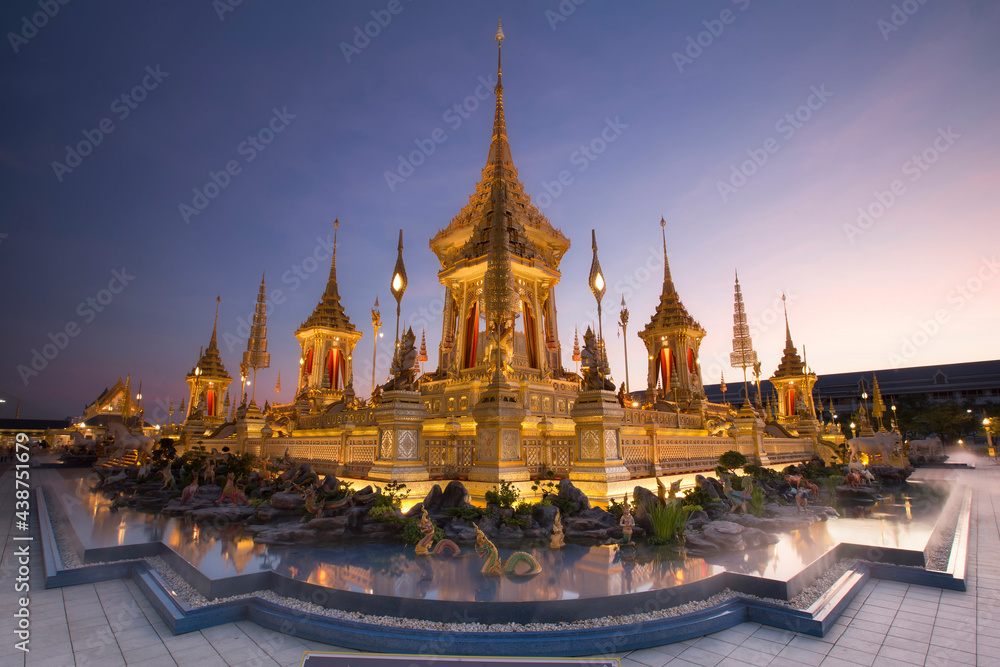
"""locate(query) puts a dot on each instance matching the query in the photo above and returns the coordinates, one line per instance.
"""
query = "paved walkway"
(888, 623)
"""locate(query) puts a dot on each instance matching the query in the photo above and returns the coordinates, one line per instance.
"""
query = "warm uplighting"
(397, 282)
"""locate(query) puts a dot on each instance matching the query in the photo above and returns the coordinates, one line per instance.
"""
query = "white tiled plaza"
(888, 623)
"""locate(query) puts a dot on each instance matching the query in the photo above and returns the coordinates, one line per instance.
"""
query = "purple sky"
(915, 283)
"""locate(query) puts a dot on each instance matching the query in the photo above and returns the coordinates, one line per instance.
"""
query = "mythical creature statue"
(593, 366)
(187, 494)
(168, 478)
(312, 506)
(111, 480)
(627, 522)
(230, 491)
(125, 441)
(494, 567)
(928, 446)
(675, 486)
(738, 498)
(404, 369)
(557, 540)
(717, 427)
(880, 443)
(423, 547)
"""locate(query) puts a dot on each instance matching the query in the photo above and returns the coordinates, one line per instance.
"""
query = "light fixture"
(398, 285)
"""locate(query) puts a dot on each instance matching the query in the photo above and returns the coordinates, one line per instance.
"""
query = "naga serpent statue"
(494, 567)
(423, 547)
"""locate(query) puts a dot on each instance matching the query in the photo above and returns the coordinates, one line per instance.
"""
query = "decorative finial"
(215, 326)
(499, 36)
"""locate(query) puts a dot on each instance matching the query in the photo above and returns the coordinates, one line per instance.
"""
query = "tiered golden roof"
(791, 363)
(530, 234)
(670, 313)
(329, 312)
(209, 360)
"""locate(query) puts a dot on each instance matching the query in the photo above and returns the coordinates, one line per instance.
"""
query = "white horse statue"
(927, 446)
(80, 441)
(124, 440)
(880, 443)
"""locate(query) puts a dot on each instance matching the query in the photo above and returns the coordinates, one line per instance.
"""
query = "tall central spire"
(212, 345)
(668, 282)
(329, 311)
(499, 148)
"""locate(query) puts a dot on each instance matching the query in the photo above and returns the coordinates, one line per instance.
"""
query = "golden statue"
(556, 541)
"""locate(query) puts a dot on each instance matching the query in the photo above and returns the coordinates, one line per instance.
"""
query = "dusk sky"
(843, 153)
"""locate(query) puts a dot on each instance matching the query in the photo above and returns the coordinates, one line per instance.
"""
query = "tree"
(732, 460)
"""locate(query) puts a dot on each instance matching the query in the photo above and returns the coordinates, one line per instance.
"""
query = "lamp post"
(193, 403)
(598, 287)
(852, 429)
(398, 285)
(623, 323)
(376, 325)
(243, 382)
(989, 436)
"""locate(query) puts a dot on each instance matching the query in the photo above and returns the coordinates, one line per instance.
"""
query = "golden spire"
(668, 282)
(331, 283)
(788, 331)
(329, 312)
(499, 148)
(791, 363)
(212, 345)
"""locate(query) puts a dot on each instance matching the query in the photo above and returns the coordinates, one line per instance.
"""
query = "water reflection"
(902, 520)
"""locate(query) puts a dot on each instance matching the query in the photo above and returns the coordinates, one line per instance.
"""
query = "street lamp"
(989, 436)
(398, 285)
(853, 426)
(623, 323)
(598, 286)
(376, 324)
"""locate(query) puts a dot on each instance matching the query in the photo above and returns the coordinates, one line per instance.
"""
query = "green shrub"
(392, 496)
(698, 496)
(616, 508)
(382, 512)
(732, 460)
(566, 506)
(668, 521)
(546, 488)
(756, 503)
(523, 507)
(760, 473)
(469, 513)
(503, 496)
(515, 521)
(412, 533)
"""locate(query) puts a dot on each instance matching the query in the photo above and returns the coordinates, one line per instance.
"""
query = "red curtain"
(335, 368)
(309, 362)
(210, 402)
(790, 401)
(471, 336)
(665, 368)
(690, 361)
